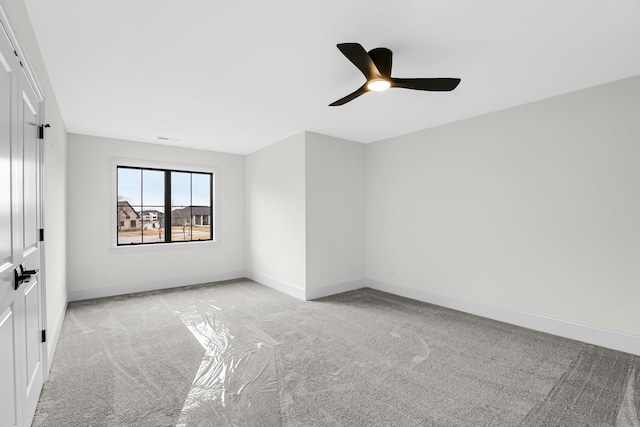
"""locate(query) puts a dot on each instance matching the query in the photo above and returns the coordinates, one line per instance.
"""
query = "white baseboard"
(334, 288)
(54, 336)
(285, 288)
(151, 285)
(590, 334)
(563, 328)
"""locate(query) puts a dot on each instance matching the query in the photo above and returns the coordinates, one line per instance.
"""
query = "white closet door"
(21, 305)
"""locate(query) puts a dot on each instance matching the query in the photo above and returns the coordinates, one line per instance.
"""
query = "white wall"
(535, 208)
(305, 212)
(275, 192)
(334, 210)
(55, 187)
(97, 269)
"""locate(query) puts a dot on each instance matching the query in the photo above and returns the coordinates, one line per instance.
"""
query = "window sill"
(165, 247)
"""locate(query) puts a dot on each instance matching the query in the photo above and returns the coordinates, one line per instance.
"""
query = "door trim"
(9, 27)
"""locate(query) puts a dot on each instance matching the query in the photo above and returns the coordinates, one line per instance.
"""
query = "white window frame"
(115, 162)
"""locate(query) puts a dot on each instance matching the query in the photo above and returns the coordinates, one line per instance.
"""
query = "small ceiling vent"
(166, 138)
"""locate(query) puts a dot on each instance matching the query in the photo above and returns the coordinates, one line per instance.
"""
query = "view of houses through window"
(163, 206)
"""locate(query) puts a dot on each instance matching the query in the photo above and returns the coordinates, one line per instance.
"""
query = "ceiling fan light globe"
(378, 85)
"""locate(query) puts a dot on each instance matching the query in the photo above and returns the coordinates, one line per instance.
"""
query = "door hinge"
(41, 130)
(42, 234)
(44, 335)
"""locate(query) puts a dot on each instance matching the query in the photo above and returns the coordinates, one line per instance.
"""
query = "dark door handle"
(21, 275)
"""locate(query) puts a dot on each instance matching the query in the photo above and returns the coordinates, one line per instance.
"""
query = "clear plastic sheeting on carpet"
(236, 383)
(628, 414)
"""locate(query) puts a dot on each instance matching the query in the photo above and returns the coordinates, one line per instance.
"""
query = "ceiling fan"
(376, 67)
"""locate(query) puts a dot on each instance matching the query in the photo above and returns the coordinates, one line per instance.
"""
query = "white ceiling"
(237, 76)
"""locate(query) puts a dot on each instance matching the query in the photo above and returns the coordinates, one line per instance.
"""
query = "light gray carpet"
(239, 353)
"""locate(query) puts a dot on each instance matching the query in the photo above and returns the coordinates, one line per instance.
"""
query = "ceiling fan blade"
(435, 84)
(382, 58)
(363, 89)
(360, 58)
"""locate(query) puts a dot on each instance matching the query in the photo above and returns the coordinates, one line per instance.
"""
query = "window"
(163, 205)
